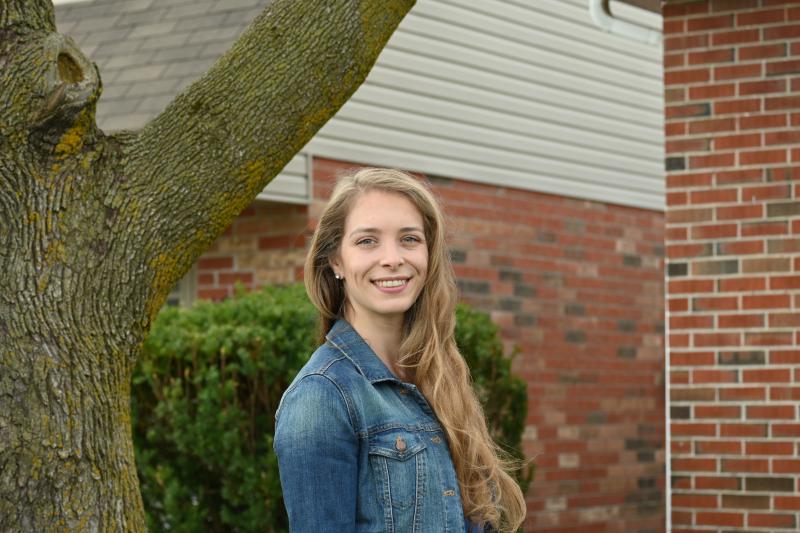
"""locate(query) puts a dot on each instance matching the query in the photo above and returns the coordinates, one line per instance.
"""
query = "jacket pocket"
(398, 461)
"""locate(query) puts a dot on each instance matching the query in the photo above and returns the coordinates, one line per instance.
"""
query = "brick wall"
(578, 286)
(265, 244)
(732, 77)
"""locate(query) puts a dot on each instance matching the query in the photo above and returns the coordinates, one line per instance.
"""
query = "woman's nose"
(392, 256)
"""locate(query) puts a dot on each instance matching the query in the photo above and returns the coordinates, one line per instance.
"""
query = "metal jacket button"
(400, 444)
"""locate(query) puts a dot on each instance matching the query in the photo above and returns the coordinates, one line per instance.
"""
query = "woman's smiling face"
(383, 256)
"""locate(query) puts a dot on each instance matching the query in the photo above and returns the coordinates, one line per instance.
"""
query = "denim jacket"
(361, 451)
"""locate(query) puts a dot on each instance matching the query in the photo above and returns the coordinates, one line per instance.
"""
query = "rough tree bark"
(95, 229)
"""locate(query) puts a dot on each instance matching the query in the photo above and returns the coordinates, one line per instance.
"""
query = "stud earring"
(337, 276)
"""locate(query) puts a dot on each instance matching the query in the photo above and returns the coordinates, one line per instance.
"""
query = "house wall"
(733, 219)
(577, 286)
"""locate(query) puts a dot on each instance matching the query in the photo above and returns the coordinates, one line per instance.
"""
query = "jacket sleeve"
(317, 449)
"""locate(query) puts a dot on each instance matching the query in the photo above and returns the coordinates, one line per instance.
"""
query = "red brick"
(702, 501)
(771, 520)
(784, 246)
(230, 278)
(719, 303)
(713, 196)
(688, 180)
(739, 176)
(682, 216)
(745, 465)
(719, 519)
(717, 411)
(215, 263)
(739, 212)
(763, 121)
(741, 321)
(764, 16)
(770, 338)
(775, 68)
(721, 483)
(771, 412)
(679, 340)
(738, 394)
(769, 448)
(711, 56)
(691, 286)
(778, 283)
(697, 75)
(727, 107)
(735, 37)
(691, 358)
(691, 322)
(766, 192)
(674, 128)
(784, 320)
(742, 430)
(717, 339)
(713, 447)
(205, 278)
(746, 70)
(747, 140)
(739, 247)
(684, 42)
(676, 60)
(762, 87)
(713, 231)
(677, 251)
(674, 26)
(762, 157)
(677, 198)
(714, 125)
(786, 466)
(762, 51)
(678, 304)
(687, 464)
(772, 301)
(676, 234)
(782, 137)
(686, 110)
(785, 357)
(713, 160)
(785, 430)
(764, 228)
(709, 23)
(767, 264)
(793, 13)
(788, 31)
(782, 394)
(787, 503)
(706, 91)
(742, 284)
(688, 145)
(782, 102)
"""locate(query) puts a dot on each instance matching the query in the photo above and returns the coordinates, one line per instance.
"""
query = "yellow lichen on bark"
(71, 141)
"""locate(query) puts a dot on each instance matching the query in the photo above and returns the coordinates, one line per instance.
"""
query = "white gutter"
(600, 12)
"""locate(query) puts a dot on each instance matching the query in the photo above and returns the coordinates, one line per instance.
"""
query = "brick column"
(732, 89)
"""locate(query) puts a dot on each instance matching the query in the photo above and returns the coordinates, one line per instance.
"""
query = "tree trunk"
(96, 229)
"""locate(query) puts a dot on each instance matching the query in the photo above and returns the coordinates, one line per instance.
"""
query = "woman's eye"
(411, 239)
(365, 242)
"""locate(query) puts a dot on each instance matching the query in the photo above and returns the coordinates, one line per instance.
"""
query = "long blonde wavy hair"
(428, 351)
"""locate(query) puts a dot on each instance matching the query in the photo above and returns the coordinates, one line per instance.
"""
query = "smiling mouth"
(390, 283)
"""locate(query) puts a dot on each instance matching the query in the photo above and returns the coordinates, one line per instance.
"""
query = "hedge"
(204, 397)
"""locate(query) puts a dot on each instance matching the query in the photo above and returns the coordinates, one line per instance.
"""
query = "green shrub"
(204, 397)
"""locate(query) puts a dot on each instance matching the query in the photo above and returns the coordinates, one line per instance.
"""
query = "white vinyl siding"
(514, 93)
(292, 185)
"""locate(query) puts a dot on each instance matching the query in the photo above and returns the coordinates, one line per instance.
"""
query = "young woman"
(381, 430)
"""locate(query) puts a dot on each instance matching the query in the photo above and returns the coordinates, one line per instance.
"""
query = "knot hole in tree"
(68, 69)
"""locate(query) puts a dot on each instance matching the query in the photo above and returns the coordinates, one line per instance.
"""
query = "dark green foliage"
(205, 392)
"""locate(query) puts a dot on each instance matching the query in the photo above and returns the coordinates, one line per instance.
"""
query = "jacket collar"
(352, 345)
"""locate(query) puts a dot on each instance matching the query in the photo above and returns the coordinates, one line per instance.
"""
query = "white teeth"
(391, 283)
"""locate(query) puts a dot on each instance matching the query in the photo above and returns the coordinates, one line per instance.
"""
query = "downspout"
(600, 12)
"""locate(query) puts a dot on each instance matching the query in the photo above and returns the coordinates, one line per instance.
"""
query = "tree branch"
(27, 15)
(197, 165)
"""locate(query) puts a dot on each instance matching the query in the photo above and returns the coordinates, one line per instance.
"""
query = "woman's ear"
(336, 265)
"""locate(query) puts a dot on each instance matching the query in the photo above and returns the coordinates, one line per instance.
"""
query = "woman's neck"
(384, 335)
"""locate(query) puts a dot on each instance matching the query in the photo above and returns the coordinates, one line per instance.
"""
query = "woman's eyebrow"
(378, 230)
